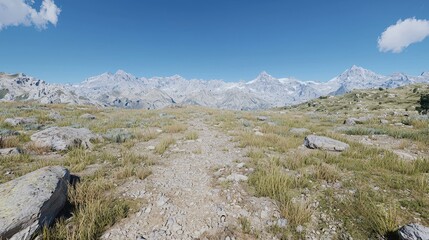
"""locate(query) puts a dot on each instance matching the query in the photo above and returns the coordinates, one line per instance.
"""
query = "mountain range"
(124, 90)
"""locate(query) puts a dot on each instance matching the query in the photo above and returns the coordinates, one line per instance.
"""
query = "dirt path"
(187, 198)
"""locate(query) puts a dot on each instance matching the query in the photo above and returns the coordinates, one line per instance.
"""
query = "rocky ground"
(197, 173)
(196, 192)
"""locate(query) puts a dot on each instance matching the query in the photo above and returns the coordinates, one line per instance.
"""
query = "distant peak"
(264, 76)
(357, 68)
(121, 72)
(425, 74)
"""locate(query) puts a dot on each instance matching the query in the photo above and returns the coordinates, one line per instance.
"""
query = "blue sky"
(223, 39)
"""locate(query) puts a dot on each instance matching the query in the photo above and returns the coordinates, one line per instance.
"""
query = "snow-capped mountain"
(122, 89)
(21, 87)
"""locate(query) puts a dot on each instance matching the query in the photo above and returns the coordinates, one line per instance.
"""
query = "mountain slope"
(122, 89)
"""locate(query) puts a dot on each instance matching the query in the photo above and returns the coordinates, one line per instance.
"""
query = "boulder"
(7, 132)
(20, 121)
(384, 121)
(413, 231)
(55, 115)
(88, 116)
(235, 177)
(360, 120)
(299, 130)
(118, 135)
(32, 201)
(324, 143)
(262, 118)
(9, 151)
(350, 121)
(63, 138)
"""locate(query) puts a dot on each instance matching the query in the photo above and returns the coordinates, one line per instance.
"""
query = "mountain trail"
(197, 192)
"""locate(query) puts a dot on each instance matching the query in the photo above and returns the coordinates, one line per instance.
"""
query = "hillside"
(192, 172)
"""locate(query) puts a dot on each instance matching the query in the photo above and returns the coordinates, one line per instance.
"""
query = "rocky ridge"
(124, 90)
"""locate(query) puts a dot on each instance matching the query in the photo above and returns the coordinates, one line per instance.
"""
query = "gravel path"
(187, 198)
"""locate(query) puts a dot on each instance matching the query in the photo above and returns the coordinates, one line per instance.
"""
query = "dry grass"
(9, 142)
(191, 135)
(93, 212)
(164, 144)
(175, 128)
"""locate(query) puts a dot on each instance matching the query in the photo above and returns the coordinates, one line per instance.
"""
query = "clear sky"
(210, 39)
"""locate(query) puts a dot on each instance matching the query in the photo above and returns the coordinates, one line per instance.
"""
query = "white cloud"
(21, 12)
(399, 36)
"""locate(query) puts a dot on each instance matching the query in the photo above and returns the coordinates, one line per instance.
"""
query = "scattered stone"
(350, 121)
(360, 120)
(413, 231)
(262, 118)
(7, 132)
(235, 177)
(299, 228)
(299, 130)
(399, 124)
(20, 121)
(282, 222)
(162, 199)
(240, 165)
(55, 115)
(150, 147)
(9, 151)
(118, 135)
(63, 138)
(324, 143)
(384, 121)
(88, 116)
(32, 201)
(35, 126)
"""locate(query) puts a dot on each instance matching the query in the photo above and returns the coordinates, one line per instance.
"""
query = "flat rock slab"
(413, 231)
(63, 138)
(19, 121)
(9, 151)
(29, 202)
(88, 116)
(324, 143)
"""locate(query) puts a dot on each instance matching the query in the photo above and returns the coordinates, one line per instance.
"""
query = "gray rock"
(235, 177)
(20, 121)
(118, 135)
(413, 231)
(350, 121)
(63, 138)
(324, 143)
(88, 116)
(384, 121)
(299, 130)
(262, 118)
(9, 151)
(360, 120)
(32, 201)
(7, 132)
(282, 222)
(55, 115)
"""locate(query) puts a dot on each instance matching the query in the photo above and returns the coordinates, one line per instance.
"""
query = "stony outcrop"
(325, 143)
(9, 151)
(20, 121)
(118, 135)
(88, 116)
(360, 120)
(63, 138)
(413, 231)
(32, 201)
